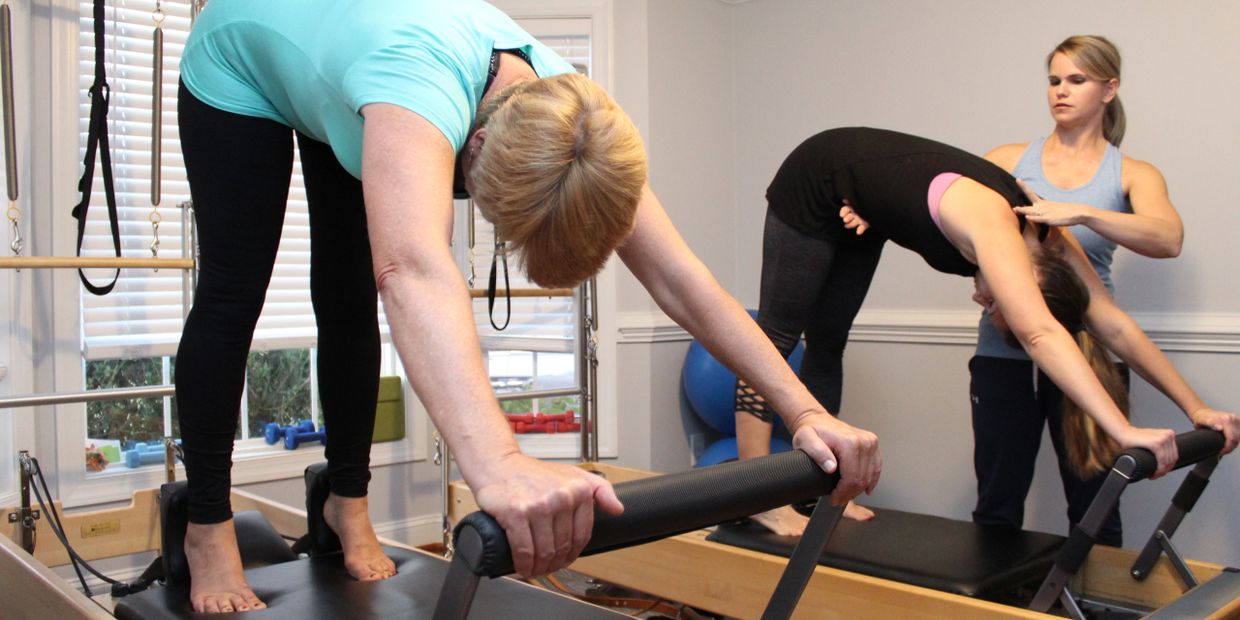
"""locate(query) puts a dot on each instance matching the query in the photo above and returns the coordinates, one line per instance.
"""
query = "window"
(129, 337)
(535, 351)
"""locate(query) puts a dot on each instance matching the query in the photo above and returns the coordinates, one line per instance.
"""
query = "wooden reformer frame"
(31, 589)
(737, 582)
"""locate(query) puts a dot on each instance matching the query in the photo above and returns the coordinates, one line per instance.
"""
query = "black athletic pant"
(814, 287)
(239, 168)
(1008, 416)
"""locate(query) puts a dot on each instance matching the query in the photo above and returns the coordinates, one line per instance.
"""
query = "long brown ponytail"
(1090, 450)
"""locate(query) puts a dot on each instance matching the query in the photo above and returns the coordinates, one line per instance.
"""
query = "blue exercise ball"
(724, 450)
(710, 386)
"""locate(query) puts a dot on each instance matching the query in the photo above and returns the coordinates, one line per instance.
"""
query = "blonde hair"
(1090, 450)
(1100, 59)
(559, 176)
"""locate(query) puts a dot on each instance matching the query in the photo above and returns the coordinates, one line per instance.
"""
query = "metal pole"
(90, 396)
(532, 394)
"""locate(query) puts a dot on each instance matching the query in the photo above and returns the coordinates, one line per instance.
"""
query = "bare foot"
(217, 582)
(857, 512)
(349, 518)
(783, 521)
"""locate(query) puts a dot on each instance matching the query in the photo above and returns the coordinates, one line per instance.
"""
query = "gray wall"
(973, 74)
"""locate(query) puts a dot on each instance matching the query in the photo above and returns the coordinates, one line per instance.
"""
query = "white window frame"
(551, 18)
(253, 460)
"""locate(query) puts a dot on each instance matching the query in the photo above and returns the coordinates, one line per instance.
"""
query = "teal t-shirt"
(313, 64)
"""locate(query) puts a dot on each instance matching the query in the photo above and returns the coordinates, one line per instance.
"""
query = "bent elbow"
(1035, 337)
(388, 273)
(1174, 247)
(1171, 243)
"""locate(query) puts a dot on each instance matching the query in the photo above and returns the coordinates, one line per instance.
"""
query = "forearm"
(684, 289)
(1143, 234)
(726, 330)
(1058, 355)
(1127, 340)
(434, 334)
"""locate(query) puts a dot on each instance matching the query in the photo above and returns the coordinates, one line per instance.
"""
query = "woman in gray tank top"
(1077, 178)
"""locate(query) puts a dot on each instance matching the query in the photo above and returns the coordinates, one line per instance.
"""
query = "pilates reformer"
(426, 585)
(905, 565)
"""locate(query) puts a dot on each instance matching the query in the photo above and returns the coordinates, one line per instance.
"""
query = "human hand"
(1160, 441)
(852, 221)
(836, 445)
(1227, 423)
(546, 509)
(1049, 212)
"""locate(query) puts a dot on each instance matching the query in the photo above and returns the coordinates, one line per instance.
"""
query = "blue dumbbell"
(294, 437)
(273, 432)
(145, 454)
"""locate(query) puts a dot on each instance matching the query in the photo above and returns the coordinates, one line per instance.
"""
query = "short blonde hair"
(559, 176)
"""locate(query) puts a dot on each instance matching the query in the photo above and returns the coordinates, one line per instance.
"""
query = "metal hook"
(14, 214)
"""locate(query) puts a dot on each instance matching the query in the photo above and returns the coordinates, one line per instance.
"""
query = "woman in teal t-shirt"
(390, 101)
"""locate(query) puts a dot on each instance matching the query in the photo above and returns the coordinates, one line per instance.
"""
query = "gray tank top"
(1104, 191)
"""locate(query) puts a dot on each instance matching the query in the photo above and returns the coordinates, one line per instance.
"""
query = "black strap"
(502, 256)
(97, 136)
(803, 561)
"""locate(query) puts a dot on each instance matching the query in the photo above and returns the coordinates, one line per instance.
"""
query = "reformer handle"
(1193, 446)
(663, 506)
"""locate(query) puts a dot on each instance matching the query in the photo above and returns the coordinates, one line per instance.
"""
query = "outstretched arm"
(1121, 334)
(546, 509)
(684, 289)
(980, 223)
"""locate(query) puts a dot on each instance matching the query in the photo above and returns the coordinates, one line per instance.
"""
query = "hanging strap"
(500, 255)
(97, 137)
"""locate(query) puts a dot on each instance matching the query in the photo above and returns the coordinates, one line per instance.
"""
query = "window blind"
(143, 315)
(540, 323)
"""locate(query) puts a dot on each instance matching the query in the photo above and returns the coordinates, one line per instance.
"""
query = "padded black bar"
(663, 506)
(1194, 446)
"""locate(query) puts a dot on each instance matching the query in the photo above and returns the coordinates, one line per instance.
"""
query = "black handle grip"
(1194, 446)
(663, 506)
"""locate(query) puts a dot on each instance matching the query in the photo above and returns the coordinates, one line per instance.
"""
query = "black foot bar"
(1199, 446)
(654, 508)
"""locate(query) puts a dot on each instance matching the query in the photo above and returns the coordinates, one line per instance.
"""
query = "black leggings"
(1009, 412)
(814, 287)
(239, 169)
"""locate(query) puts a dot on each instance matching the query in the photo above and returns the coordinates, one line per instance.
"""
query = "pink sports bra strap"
(938, 187)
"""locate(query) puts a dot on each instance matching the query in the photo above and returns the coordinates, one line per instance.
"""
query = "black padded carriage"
(921, 550)
(319, 587)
